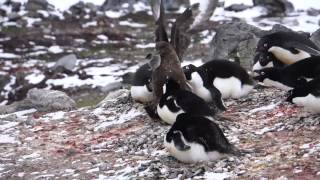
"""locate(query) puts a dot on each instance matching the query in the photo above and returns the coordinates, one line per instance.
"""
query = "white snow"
(55, 49)
(66, 4)
(264, 108)
(216, 176)
(6, 139)
(114, 14)
(35, 78)
(8, 125)
(132, 24)
(245, 2)
(264, 130)
(31, 21)
(150, 45)
(102, 37)
(88, 24)
(113, 120)
(8, 55)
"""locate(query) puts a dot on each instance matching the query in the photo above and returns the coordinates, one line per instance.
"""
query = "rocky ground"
(117, 140)
(83, 52)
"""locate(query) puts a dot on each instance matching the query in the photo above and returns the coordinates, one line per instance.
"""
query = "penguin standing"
(291, 76)
(229, 78)
(287, 47)
(307, 96)
(195, 138)
(176, 101)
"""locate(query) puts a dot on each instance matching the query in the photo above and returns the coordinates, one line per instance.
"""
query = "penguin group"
(189, 97)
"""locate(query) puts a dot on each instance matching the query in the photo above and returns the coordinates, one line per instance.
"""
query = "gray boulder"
(232, 37)
(275, 7)
(68, 62)
(238, 41)
(315, 37)
(114, 98)
(42, 100)
(34, 5)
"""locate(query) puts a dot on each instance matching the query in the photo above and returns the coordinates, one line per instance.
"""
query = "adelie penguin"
(195, 138)
(307, 96)
(285, 47)
(291, 76)
(176, 101)
(141, 88)
(229, 78)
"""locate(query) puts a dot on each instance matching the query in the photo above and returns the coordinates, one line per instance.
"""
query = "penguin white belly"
(141, 93)
(270, 83)
(196, 153)
(229, 87)
(197, 87)
(286, 56)
(203, 92)
(310, 102)
(166, 115)
(257, 66)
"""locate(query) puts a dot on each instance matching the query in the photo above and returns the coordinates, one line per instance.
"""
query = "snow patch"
(264, 108)
(131, 24)
(6, 139)
(55, 49)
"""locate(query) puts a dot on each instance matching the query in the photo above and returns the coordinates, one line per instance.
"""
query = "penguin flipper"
(300, 46)
(178, 142)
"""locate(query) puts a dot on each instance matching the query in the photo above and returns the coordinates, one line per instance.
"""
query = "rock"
(275, 7)
(115, 97)
(238, 40)
(42, 100)
(174, 5)
(50, 100)
(13, 16)
(116, 5)
(225, 44)
(315, 37)
(237, 7)
(34, 5)
(68, 62)
(4, 80)
(313, 12)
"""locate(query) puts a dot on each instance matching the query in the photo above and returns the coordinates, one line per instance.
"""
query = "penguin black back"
(288, 40)
(202, 131)
(224, 69)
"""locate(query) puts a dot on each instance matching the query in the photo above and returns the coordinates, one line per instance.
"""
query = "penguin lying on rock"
(307, 96)
(287, 48)
(141, 89)
(294, 75)
(229, 78)
(195, 138)
(176, 101)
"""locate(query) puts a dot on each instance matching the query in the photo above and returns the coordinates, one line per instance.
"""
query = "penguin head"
(267, 73)
(188, 70)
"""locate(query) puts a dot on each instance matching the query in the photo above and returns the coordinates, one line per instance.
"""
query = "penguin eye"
(263, 73)
(265, 45)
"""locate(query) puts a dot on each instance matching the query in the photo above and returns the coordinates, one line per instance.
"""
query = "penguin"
(176, 101)
(141, 88)
(307, 96)
(287, 47)
(291, 76)
(229, 78)
(194, 138)
(265, 59)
